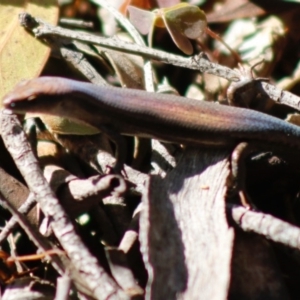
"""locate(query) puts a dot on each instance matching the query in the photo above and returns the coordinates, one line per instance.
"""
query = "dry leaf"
(21, 55)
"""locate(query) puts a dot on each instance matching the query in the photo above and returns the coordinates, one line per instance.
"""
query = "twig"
(79, 195)
(198, 62)
(131, 234)
(76, 23)
(281, 96)
(63, 288)
(42, 29)
(78, 60)
(13, 222)
(99, 284)
(40, 241)
(272, 228)
(13, 252)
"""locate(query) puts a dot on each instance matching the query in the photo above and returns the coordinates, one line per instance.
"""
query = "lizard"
(171, 118)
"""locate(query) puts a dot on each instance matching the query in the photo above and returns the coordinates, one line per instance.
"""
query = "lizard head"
(39, 95)
(51, 99)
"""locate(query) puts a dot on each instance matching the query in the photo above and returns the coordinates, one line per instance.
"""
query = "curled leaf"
(183, 21)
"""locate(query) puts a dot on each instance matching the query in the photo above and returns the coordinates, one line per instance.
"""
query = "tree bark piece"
(186, 241)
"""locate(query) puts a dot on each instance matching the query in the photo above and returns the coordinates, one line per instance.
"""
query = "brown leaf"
(21, 55)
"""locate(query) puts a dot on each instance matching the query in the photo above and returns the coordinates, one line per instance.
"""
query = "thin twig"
(78, 60)
(63, 288)
(99, 283)
(13, 222)
(40, 241)
(42, 29)
(272, 228)
(76, 23)
(280, 96)
(198, 62)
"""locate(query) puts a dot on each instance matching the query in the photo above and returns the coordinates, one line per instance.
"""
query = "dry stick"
(196, 62)
(272, 228)
(63, 287)
(42, 29)
(13, 252)
(31, 257)
(41, 242)
(13, 222)
(131, 234)
(94, 277)
(76, 23)
(72, 55)
(78, 60)
(281, 96)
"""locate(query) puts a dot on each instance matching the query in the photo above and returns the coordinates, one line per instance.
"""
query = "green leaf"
(184, 22)
(188, 19)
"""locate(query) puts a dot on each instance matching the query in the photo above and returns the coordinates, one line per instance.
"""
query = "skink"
(161, 116)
